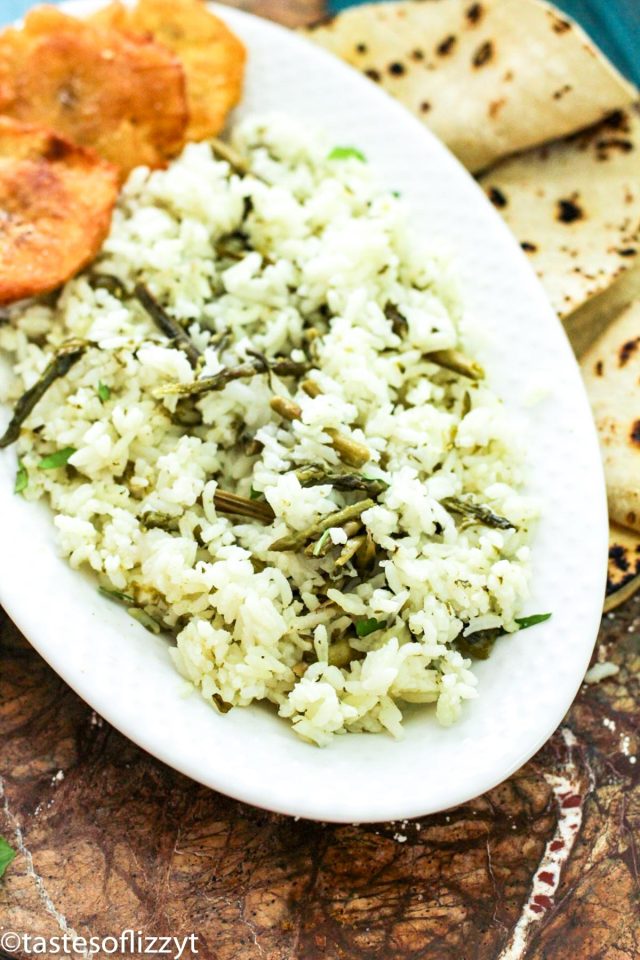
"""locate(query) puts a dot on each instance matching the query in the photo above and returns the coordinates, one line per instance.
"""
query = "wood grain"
(114, 839)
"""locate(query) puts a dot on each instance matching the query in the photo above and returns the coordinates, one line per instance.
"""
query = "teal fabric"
(613, 24)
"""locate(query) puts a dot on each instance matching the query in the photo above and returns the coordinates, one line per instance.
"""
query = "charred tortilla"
(56, 201)
(574, 205)
(124, 97)
(623, 579)
(490, 78)
(611, 369)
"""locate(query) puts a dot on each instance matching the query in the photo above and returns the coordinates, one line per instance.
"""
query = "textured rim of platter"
(526, 686)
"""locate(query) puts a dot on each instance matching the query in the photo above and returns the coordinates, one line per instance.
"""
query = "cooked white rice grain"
(306, 256)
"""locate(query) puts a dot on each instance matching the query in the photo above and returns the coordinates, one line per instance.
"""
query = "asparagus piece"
(477, 511)
(170, 327)
(449, 359)
(295, 541)
(286, 408)
(322, 546)
(349, 450)
(457, 362)
(66, 356)
(231, 503)
(314, 476)
(225, 151)
(281, 367)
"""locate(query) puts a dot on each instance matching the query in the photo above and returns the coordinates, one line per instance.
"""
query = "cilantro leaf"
(104, 392)
(346, 153)
(524, 622)
(57, 459)
(365, 627)
(22, 478)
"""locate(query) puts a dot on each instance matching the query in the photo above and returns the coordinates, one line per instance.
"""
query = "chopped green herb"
(365, 627)
(524, 622)
(396, 193)
(346, 153)
(22, 478)
(116, 595)
(255, 494)
(321, 542)
(7, 855)
(57, 459)
(104, 392)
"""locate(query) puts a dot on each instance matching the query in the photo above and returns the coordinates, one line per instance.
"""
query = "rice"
(336, 647)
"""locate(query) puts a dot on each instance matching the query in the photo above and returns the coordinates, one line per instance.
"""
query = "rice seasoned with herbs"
(265, 444)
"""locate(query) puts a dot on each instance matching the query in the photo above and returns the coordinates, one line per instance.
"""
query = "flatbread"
(123, 97)
(212, 56)
(611, 369)
(490, 78)
(56, 201)
(574, 205)
(623, 578)
(587, 323)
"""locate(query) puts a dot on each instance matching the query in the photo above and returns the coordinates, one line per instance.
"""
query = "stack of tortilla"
(552, 131)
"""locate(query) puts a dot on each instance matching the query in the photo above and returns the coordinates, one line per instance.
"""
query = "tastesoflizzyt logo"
(128, 943)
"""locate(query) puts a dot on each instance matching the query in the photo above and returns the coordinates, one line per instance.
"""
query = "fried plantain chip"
(212, 56)
(121, 95)
(56, 201)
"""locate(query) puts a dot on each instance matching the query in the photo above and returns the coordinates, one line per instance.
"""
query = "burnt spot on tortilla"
(617, 120)
(373, 75)
(529, 247)
(484, 54)
(397, 69)
(635, 433)
(618, 556)
(497, 197)
(632, 518)
(495, 107)
(361, 48)
(474, 13)
(569, 210)
(627, 350)
(561, 91)
(599, 368)
(607, 145)
(425, 106)
(417, 54)
(627, 252)
(446, 46)
(560, 25)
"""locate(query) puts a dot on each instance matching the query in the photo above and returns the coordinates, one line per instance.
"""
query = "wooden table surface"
(111, 839)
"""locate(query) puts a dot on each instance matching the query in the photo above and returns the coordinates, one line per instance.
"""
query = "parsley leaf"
(365, 627)
(104, 392)
(57, 459)
(524, 622)
(22, 478)
(346, 153)
(7, 854)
